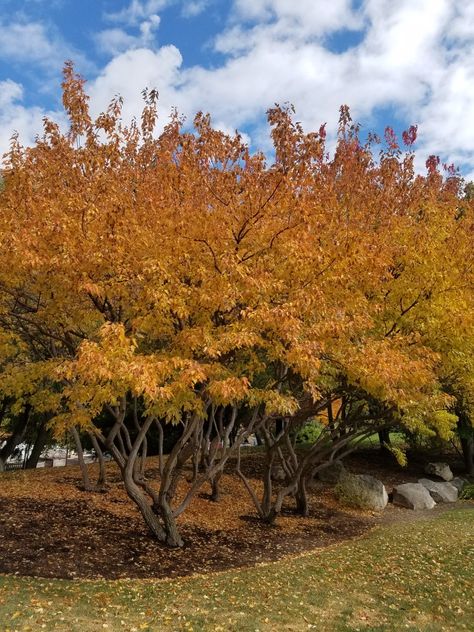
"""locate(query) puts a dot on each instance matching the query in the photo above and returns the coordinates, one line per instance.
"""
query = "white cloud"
(26, 42)
(15, 117)
(192, 8)
(34, 44)
(309, 18)
(141, 16)
(10, 91)
(415, 57)
(138, 11)
(115, 41)
(446, 116)
(148, 26)
(129, 73)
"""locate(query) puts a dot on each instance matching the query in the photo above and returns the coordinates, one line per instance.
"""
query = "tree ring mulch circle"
(73, 539)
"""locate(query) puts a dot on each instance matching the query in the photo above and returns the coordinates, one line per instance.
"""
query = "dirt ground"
(49, 528)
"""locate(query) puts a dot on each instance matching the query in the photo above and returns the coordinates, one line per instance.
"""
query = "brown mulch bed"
(49, 528)
(72, 539)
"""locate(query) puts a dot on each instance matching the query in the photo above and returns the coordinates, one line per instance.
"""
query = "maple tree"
(178, 278)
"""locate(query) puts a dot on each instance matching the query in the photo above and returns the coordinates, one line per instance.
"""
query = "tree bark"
(134, 492)
(102, 480)
(384, 439)
(38, 447)
(168, 531)
(301, 497)
(173, 537)
(80, 455)
(215, 487)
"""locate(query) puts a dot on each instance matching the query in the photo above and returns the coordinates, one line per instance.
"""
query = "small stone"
(442, 470)
(441, 492)
(413, 496)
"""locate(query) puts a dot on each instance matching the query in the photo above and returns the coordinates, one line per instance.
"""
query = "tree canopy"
(184, 271)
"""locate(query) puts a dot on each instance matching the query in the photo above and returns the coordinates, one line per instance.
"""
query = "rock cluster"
(370, 493)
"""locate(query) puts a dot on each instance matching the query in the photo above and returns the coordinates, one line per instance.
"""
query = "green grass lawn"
(418, 575)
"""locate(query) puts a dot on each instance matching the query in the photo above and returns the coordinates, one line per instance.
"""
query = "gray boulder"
(332, 472)
(459, 483)
(363, 491)
(440, 492)
(442, 470)
(413, 496)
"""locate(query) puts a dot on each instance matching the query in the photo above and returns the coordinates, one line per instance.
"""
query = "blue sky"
(393, 62)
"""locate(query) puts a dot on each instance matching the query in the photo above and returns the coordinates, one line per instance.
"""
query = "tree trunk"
(135, 494)
(301, 497)
(215, 488)
(143, 457)
(466, 437)
(279, 425)
(467, 444)
(384, 439)
(102, 480)
(167, 530)
(80, 455)
(173, 537)
(38, 447)
(16, 436)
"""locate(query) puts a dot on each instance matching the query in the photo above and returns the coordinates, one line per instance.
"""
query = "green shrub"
(309, 432)
(467, 492)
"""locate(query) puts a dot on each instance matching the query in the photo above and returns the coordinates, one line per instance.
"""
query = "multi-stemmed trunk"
(299, 468)
(207, 446)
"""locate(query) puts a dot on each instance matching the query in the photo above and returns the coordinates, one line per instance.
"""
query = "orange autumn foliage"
(186, 270)
(197, 261)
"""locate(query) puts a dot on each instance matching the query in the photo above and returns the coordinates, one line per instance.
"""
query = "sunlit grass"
(413, 576)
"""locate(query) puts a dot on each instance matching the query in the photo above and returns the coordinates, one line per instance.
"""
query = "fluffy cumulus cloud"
(35, 44)
(16, 118)
(140, 68)
(191, 8)
(138, 11)
(117, 40)
(135, 27)
(413, 58)
(446, 115)
(307, 18)
(38, 47)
